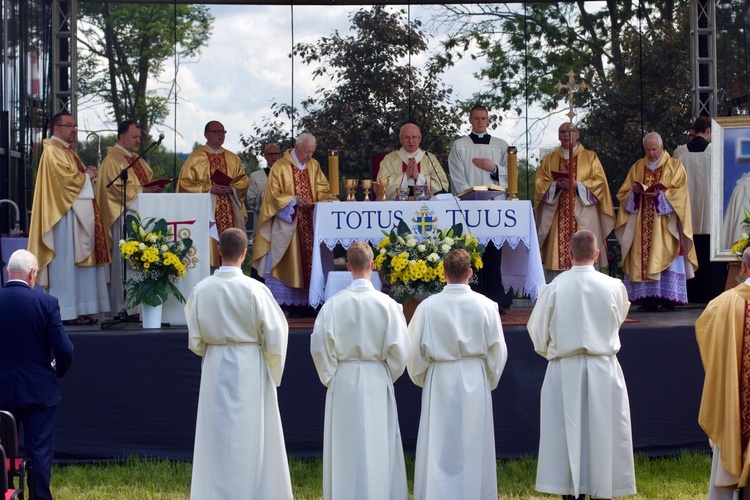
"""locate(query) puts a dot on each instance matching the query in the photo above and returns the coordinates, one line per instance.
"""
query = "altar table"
(507, 224)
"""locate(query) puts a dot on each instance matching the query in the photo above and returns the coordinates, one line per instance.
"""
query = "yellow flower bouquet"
(155, 257)
(739, 247)
(413, 266)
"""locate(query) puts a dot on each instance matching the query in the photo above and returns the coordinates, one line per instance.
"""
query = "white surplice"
(360, 346)
(585, 444)
(458, 353)
(236, 325)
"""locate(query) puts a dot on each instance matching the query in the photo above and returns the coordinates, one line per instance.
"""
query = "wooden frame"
(730, 160)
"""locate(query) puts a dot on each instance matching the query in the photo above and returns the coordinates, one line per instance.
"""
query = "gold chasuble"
(195, 177)
(59, 181)
(110, 199)
(290, 244)
(723, 334)
(555, 223)
(651, 242)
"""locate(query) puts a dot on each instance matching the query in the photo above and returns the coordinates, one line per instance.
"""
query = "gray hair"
(303, 138)
(23, 261)
(746, 257)
(653, 135)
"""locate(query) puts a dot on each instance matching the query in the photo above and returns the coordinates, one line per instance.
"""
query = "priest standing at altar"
(119, 156)
(655, 230)
(722, 332)
(239, 331)
(360, 347)
(479, 159)
(213, 169)
(591, 211)
(458, 364)
(412, 166)
(66, 232)
(282, 248)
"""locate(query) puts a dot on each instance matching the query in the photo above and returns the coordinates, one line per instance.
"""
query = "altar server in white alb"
(360, 346)
(235, 324)
(585, 444)
(457, 355)
(478, 159)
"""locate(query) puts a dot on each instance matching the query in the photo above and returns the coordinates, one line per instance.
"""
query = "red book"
(559, 175)
(160, 182)
(222, 179)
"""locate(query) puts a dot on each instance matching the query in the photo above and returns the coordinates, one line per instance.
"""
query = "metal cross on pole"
(572, 86)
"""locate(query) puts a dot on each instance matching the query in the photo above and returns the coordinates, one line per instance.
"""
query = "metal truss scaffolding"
(703, 51)
(64, 19)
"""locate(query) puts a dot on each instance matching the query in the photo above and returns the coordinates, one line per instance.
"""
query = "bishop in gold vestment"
(197, 174)
(655, 230)
(592, 211)
(723, 334)
(282, 249)
(66, 232)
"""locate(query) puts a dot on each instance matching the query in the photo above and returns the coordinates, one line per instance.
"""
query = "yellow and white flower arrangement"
(155, 257)
(739, 247)
(412, 265)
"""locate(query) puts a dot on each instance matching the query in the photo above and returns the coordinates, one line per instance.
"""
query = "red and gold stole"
(304, 220)
(101, 252)
(223, 212)
(566, 220)
(137, 169)
(648, 215)
(745, 379)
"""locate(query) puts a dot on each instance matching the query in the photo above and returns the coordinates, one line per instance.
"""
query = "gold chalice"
(351, 187)
(367, 185)
(380, 188)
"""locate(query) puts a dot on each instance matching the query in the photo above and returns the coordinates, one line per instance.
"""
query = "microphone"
(434, 169)
(161, 138)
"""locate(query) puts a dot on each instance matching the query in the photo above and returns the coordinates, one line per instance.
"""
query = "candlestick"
(512, 172)
(333, 172)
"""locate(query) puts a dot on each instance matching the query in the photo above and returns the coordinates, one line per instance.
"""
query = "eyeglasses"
(223, 132)
(68, 125)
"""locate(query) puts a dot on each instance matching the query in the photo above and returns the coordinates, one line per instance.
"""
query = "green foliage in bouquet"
(413, 267)
(155, 258)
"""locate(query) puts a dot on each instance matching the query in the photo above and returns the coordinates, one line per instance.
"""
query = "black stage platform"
(135, 392)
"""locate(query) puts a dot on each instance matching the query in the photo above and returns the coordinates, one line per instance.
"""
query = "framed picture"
(730, 182)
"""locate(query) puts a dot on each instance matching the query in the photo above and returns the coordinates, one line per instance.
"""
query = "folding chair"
(7, 494)
(15, 466)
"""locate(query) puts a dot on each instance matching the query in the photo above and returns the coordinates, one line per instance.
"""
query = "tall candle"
(512, 170)
(333, 172)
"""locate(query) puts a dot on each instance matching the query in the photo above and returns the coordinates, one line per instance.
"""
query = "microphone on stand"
(161, 138)
(434, 169)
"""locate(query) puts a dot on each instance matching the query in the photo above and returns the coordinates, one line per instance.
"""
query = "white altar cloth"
(188, 214)
(504, 223)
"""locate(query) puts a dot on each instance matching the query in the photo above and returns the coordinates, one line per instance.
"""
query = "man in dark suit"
(34, 350)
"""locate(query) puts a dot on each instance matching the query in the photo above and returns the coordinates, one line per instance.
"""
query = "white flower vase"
(151, 316)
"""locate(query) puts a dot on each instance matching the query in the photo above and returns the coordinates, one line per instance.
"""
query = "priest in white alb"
(238, 329)
(360, 347)
(585, 443)
(458, 353)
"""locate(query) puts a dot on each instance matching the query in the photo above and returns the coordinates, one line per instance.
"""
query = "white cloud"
(246, 66)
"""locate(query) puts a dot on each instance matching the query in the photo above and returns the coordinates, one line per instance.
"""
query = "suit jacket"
(32, 334)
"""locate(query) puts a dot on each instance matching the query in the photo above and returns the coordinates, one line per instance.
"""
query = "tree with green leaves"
(633, 56)
(126, 44)
(375, 91)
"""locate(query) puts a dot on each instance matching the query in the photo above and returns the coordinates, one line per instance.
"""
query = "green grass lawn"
(678, 477)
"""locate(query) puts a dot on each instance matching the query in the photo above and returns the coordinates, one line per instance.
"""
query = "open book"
(160, 182)
(222, 179)
(653, 188)
(481, 192)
